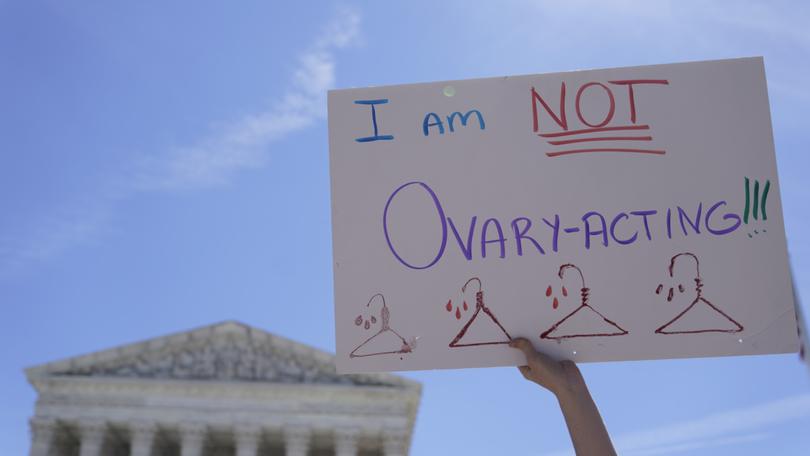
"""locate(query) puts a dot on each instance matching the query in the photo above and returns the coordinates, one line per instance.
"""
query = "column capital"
(92, 432)
(42, 426)
(42, 430)
(346, 441)
(247, 436)
(395, 441)
(348, 431)
(193, 429)
(247, 431)
(91, 428)
(142, 427)
(296, 439)
(192, 436)
(297, 431)
(142, 437)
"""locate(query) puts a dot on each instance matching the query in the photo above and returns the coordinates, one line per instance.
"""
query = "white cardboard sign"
(617, 214)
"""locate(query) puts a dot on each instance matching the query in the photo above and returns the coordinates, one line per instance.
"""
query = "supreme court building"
(222, 390)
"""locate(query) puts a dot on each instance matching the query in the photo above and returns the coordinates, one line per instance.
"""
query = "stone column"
(296, 440)
(395, 443)
(192, 438)
(143, 435)
(42, 431)
(91, 437)
(248, 437)
(346, 441)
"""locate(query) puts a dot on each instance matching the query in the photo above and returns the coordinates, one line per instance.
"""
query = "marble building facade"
(222, 390)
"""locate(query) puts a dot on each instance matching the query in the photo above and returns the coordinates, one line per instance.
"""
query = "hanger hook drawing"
(476, 279)
(688, 254)
(381, 296)
(568, 266)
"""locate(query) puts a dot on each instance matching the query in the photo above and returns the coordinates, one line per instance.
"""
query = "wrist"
(572, 384)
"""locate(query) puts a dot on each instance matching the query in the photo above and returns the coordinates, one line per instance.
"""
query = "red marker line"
(583, 151)
(593, 130)
(602, 138)
(641, 81)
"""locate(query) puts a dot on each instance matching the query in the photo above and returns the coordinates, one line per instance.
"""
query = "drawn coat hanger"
(487, 317)
(701, 316)
(584, 321)
(386, 341)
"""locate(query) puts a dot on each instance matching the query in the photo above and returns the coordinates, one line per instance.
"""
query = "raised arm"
(585, 425)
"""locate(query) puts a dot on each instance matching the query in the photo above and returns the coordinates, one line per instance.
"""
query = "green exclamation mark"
(765, 199)
(747, 202)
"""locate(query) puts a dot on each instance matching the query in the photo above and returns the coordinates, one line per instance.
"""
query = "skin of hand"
(563, 378)
(559, 377)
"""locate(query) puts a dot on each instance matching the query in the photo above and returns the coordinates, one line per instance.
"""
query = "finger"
(526, 371)
(523, 345)
(543, 359)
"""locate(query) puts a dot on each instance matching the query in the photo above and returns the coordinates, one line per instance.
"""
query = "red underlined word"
(583, 151)
(591, 95)
(602, 138)
(540, 105)
(593, 130)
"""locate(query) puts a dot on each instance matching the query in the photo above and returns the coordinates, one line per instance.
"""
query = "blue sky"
(164, 165)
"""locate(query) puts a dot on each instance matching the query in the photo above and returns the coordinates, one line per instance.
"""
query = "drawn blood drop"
(565, 292)
(367, 325)
(548, 291)
(458, 314)
(373, 319)
(449, 306)
(465, 305)
(359, 320)
(556, 303)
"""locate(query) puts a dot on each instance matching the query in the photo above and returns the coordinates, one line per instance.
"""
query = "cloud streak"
(215, 159)
(242, 145)
(732, 427)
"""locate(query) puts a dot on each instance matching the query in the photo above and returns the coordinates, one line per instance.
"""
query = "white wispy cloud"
(216, 158)
(50, 234)
(731, 427)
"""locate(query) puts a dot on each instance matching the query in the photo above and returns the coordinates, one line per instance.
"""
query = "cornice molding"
(229, 351)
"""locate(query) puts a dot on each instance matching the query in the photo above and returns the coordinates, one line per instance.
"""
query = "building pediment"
(228, 351)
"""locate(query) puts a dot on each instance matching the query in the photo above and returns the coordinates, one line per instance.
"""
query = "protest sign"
(617, 214)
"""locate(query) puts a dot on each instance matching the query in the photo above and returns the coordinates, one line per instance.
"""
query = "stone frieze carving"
(225, 358)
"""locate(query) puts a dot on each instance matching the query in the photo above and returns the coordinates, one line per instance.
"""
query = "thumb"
(526, 371)
(523, 345)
